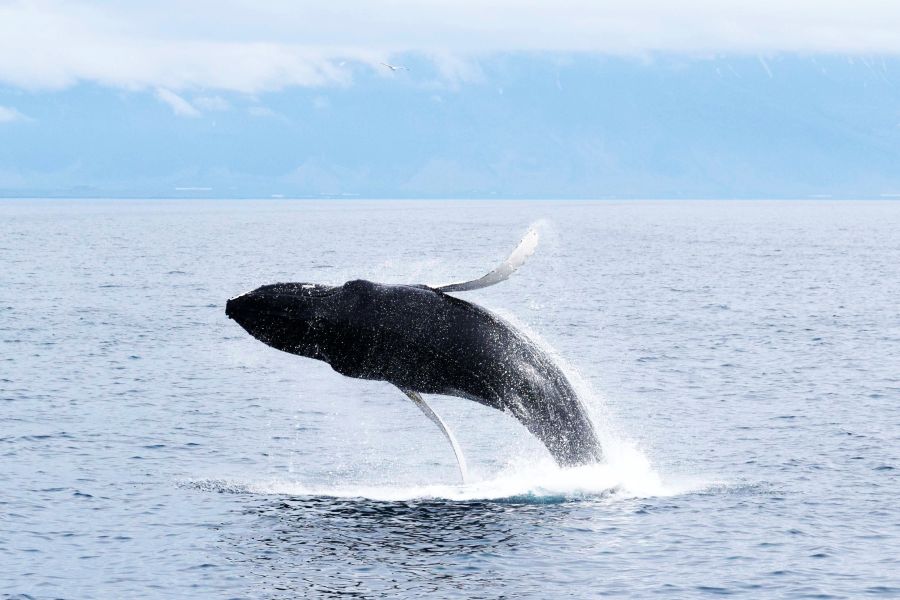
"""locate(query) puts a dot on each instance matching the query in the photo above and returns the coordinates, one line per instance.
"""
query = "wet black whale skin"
(424, 340)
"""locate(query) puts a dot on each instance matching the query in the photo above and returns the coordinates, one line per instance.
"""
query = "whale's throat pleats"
(417, 399)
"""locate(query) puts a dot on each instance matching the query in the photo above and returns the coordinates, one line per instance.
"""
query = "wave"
(542, 482)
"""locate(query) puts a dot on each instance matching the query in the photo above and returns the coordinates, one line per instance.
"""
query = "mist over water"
(738, 359)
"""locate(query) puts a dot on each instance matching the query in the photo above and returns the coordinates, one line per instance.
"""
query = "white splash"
(630, 476)
(626, 470)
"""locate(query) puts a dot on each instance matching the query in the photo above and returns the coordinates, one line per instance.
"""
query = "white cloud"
(253, 46)
(8, 115)
(179, 105)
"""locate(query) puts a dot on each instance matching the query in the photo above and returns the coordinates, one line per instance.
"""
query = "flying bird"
(395, 67)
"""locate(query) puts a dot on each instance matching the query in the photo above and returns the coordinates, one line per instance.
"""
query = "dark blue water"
(742, 361)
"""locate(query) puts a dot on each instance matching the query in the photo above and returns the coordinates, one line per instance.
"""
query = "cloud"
(255, 46)
(8, 115)
(179, 105)
(47, 44)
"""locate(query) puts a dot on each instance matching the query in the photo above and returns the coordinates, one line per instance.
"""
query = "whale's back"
(423, 340)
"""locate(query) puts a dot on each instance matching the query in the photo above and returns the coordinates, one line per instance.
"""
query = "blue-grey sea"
(741, 361)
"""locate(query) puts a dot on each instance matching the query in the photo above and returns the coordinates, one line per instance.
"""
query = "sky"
(569, 99)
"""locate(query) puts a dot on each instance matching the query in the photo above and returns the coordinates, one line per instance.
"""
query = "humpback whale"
(426, 341)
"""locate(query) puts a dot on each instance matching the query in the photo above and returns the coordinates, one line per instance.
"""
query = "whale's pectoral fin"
(417, 399)
(525, 249)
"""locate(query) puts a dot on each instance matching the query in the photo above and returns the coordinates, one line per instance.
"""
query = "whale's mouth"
(246, 306)
(231, 306)
(258, 315)
(285, 316)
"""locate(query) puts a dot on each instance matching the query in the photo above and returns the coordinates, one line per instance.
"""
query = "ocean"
(741, 361)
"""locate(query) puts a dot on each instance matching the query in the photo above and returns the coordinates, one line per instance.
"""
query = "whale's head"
(313, 320)
(293, 317)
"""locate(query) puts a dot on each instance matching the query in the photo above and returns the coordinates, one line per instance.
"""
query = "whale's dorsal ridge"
(502, 272)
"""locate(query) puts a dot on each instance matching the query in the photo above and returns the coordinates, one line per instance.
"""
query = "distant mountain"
(566, 126)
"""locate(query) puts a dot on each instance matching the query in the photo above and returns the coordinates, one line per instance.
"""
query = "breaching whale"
(425, 341)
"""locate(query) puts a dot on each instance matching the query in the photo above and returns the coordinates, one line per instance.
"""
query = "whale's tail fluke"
(502, 272)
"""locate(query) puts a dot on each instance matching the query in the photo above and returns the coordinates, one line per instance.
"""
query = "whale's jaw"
(282, 315)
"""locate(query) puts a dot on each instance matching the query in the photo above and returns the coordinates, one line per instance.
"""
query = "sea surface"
(741, 361)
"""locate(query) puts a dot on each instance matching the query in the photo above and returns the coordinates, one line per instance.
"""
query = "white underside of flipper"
(417, 399)
(525, 249)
